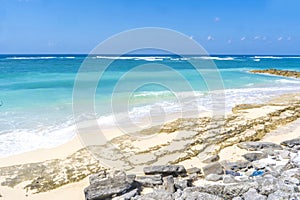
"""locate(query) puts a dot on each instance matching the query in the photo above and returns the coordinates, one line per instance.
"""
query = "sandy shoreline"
(75, 190)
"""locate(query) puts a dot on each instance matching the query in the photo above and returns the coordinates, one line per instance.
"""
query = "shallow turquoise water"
(36, 90)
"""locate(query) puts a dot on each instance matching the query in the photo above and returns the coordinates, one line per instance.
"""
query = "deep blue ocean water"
(36, 90)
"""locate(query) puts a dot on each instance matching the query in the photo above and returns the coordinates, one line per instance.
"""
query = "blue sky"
(221, 27)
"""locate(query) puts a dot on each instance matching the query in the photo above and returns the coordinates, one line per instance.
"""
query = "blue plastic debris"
(258, 173)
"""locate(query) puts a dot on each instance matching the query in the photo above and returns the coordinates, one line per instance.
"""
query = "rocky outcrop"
(277, 72)
(51, 174)
(271, 177)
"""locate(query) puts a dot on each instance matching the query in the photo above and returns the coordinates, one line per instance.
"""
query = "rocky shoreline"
(286, 73)
(178, 142)
(272, 173)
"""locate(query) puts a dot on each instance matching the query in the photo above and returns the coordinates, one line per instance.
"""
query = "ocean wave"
(296, 81)
(267, 57)
(213, 58)
(39, 57)
(146, 58)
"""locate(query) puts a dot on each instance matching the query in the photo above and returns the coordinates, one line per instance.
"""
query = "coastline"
(74, 189)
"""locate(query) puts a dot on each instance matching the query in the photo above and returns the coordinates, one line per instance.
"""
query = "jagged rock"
(97, 177)
(193, 170)
(213, 177)
(295, 160)
(199, 196)
(236, 166)
(234, 190)
(149, 180)
(211, 159)
(128, 195)
(213, 168)
(155, 195)
(254, 156)
(284, 154)
(215, 189)
(228, 179)
(268, 185)
(165, 170)
(181, 184)
(257, 146)
(291, 143)
(283, 195)
(168, 183)
(252, 194)
(104, 188)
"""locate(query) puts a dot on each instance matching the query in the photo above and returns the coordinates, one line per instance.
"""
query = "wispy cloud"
(289, 38)
(264, 38)
(209, 38)
(280, 38)
(256, 37)
(243, 38)
(217, 19)
(191, 37)
(229, 41)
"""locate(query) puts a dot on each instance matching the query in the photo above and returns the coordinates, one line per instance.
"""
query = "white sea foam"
(22, 140)
(30, 58)
(146, 58)
(38, 57)
(267, 57)
(213, 58)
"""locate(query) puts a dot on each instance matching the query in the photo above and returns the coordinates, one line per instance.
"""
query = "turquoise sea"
(36, 90)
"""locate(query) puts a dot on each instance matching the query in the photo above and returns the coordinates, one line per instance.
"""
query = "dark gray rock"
(257, 146)
(254, 156)
(211, 159)
(168, 183)
(149, 180)
(252, 194)
(193, 170)
(213, 168)
(181, 184)
(174, 170)
(128, 195)
(213, 177)
(155, 195)
(291, 143)
(115, 184)
(97, 177)
(236, 166)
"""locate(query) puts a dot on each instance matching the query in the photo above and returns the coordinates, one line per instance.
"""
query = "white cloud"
(280, 38)
(229, 41)
(289, 38)
(217, 19)
(243, 38)
(191, 37)
(210, 38)
(264, 38)
(256, 37)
